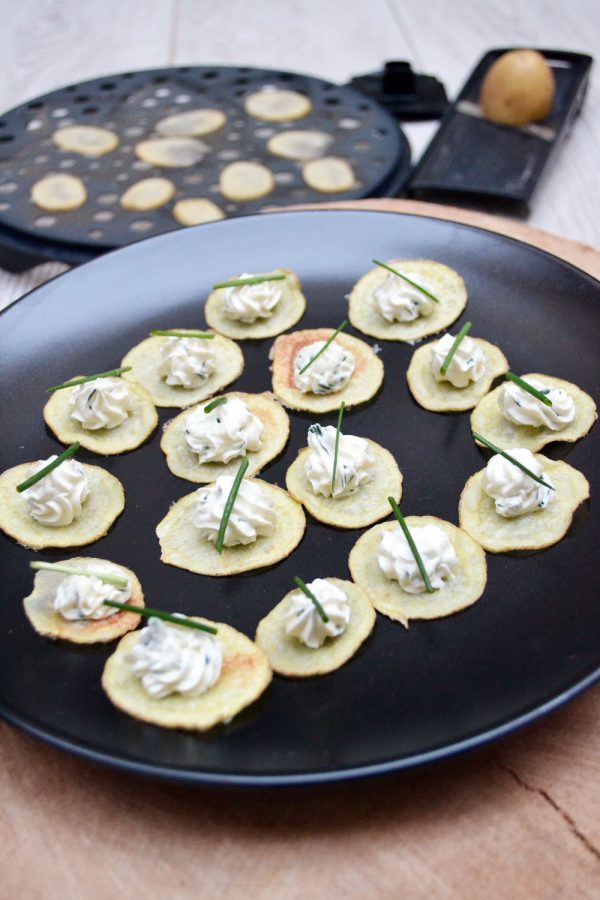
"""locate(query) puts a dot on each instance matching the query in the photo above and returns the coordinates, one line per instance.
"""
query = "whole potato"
(518, 88)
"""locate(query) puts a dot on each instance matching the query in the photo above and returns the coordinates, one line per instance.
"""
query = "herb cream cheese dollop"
(249, 302)
(355, 462)
(399, 301)
(467, 363)
(252, 515)
(57, 498)
(330, 371)
(522, 408)
(172, 660)
(186, 362)
(303, 621)
(83, 596)
(101, 403)
(515, 492)
(227, 431)
(396, 559)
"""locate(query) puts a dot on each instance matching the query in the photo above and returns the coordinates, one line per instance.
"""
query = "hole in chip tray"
(210, 74)
(228, 154)
(104, 215)
(81, 99)
(96, 233)
(45, 221)
(60, 113)
(362, 146)
(35, 104)
(9, 187)
(230, 207)
(162, 92)
(264, 132)
(34, 124)
(133, 131)
(182, 98)
(348, 123)
(284, 177)
(193, 179)
(332, 101)
(140, 165)
(66, 163)
(363, 107)
(107, 199)
(107, 86)
(94, 165)
(141, 225)
(4, 207)
(233, 136)
(90, 110)
(159, 79)
(150, 101)
(122, 176)
(6, 138)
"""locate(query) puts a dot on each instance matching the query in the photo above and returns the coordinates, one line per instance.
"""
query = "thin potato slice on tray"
(277, 105)
(59, 192)
(388, 597)
(245, 675)
(87, 140)
(292, 658)
(286, 313)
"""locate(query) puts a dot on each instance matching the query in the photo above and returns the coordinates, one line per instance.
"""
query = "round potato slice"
(329, 175)
(40, 612)
(183, 462)
(149, 193)
(442, 396)
(245, 675)
(362, 386)
(277, 105)
(390, 599)
(171, 153)
(196, 211)
(291, 657)
(139, 424)
(532, 531)
(300, 145)
(193, 123)
(182, 547)
(59, 192)
(105, 502)
(242, 181)
(447, 286)
(287, 312)
(488, 419)
(145, 358)
(357, 510)
(87, 140)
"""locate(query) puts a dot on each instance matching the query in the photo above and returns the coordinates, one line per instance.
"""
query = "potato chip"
(171, 152)
(59, 192)
(196, 211)
(329, 175)
(287, 312)
(300, 145)
(149, 193)
(277, 105)
(242, 181)
(193, 123)
(87, 140)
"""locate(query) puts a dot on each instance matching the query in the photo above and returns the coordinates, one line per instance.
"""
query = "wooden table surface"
(518, 819)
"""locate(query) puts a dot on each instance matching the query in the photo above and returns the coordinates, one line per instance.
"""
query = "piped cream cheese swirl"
(303, 621)
(399, 301)
(252, 515)
(227, 431)
(172, 660)
(249, 302)
(186, 362)
(57, 498)
(513, 490)
(396, 559)
(522, 408)
(467, 363)
(330, 372)
(83, 596)
(101, 403)
(355, 462)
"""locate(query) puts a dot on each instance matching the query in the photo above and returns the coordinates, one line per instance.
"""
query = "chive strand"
(229, 505)
(118, 581)
(252, 279)
(149, 613)
(411, 544)
(337, 446)
(419, 287)
(70, 451)
(455, 345)
(324, 347)
(511, 459)
(529, 388)
(214, 403)
(312, 597)
(76, 381)
(203, 335)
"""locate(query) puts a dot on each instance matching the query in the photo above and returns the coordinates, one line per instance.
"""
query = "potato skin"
(518, 89)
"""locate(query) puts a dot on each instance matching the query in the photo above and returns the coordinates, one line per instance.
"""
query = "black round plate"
(408, 697)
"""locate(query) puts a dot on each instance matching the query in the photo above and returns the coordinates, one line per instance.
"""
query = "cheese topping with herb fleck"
(83, 596)
(249, 302)
(172, 660)
(228, 431)
(58, 497)
(515, 492)
(303, 620)
(252, 515)
(522, 408)
(355, 462)
(399, 301)
(330, 371)
(467, 363)
(101, 403)
(397, 561)
(186, 362)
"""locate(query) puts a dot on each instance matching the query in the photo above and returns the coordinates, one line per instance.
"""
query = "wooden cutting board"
(516, 820)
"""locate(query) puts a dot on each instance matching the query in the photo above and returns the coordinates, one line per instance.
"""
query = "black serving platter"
(408, 697)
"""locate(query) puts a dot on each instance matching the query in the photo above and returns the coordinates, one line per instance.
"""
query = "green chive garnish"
(251, 279)
(70, 451)
(229, 505)
(324, 347)
(411, 544)
(337, 445)
(529, 388)
(204, 335)
(118, 581)
(76, 381)
(515, 462)
(461, 334)
(419, 287)
(312, 597)
(149, 613)
(214, 403)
